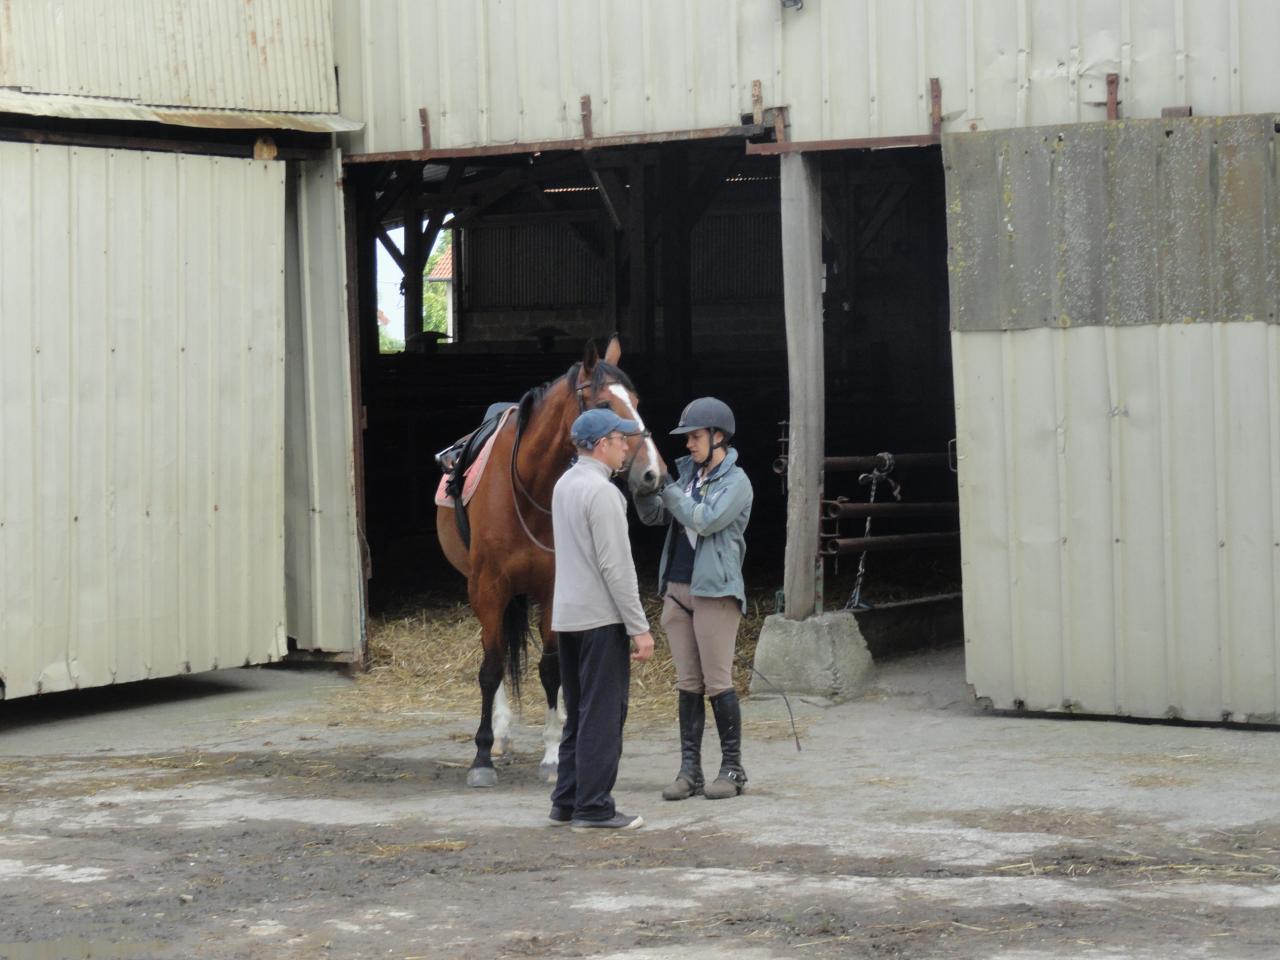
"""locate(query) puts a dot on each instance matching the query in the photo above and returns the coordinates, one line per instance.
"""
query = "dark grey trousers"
(595, 679)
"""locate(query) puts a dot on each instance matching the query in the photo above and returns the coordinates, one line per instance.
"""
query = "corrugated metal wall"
(1115, 293)
(274, 55)
(323, 580)
(504, 71)
(141, 397)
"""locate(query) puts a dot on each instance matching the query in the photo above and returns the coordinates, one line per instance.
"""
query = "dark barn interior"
(677, 247)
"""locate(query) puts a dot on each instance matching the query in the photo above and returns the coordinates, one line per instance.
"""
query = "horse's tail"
(515, 633)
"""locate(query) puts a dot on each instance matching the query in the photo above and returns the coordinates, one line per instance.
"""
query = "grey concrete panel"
(1242, 151)
(1118, 223)
(1027, 194)
(1080, 220)
(1131, 263)
(974, 223)
(1185, 166)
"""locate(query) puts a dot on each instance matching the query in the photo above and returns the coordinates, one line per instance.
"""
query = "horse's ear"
(590, 357)
(613, 353)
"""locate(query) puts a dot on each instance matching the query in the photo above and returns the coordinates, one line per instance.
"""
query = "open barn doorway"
(890, 529)
(676, 246)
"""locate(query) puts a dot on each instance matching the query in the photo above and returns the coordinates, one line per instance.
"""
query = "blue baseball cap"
(598, 422)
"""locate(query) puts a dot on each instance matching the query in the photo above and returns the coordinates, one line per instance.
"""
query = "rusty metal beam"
(152, 144)
(739, 132)
(858, 143)
(1113, 96)
(935, 106)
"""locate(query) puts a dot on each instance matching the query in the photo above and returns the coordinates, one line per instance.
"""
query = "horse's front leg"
(482, 773)
(549, 673)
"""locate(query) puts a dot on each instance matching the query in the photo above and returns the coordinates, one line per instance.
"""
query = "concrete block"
(824, 655)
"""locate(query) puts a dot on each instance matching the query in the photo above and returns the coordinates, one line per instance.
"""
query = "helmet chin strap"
(711, 450)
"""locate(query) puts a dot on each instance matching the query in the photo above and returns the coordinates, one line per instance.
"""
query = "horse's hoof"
(482, 777)
(501, 747)
(548, 772)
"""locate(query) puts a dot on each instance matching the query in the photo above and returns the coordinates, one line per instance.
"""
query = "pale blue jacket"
(720, 521)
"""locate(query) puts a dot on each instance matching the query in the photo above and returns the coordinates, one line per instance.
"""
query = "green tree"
(435, 296)
(388, 343)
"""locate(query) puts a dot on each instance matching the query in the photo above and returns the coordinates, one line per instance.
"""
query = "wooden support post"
(413, 260)
(677, 318)
(366, 255)
(639, 332)
(801, 200)
(357, 361)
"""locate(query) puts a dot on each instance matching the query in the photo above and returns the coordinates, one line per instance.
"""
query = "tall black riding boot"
(732, 777)
(693, 718)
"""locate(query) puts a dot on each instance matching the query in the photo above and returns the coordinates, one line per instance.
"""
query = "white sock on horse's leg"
(552, 729)
(501, 722)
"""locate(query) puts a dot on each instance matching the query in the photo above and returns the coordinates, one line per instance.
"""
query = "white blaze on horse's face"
(647, 465)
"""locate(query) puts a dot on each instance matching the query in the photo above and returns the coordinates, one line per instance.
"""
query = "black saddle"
(454, 459)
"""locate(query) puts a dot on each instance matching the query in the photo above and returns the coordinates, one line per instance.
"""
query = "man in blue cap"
(598, 615)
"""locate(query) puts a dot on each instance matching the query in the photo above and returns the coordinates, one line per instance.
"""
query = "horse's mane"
(601, 375)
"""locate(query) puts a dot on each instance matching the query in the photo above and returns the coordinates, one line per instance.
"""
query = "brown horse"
(511, 556)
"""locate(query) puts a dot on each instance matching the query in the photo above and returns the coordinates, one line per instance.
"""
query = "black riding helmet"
(707, 413)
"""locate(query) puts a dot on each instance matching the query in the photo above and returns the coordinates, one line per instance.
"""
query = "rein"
(518, 487)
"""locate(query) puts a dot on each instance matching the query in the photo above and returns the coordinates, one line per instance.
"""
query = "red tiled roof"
(443, 270)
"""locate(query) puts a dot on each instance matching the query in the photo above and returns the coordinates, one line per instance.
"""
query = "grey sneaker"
(619, 821)
(559, 817)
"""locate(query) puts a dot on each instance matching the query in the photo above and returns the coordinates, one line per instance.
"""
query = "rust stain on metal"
(1113, 96)
(935, 106)
(547, 146)
(425, 119)
(585, 105)
(757, 102)
(780, 124)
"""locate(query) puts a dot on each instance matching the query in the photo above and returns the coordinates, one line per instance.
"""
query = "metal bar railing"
(853, 510)
(838, 546)
(862, 464)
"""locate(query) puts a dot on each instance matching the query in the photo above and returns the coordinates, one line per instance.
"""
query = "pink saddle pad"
(471, 478)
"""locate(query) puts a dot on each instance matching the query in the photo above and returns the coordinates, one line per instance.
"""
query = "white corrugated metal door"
(141, 415)
(1116, 340)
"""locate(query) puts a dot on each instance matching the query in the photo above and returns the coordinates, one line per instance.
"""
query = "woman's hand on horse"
(642, 646)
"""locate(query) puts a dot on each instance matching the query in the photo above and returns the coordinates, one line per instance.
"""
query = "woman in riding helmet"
(706, 509)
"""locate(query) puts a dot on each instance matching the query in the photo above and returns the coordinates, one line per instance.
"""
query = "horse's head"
(600, 383)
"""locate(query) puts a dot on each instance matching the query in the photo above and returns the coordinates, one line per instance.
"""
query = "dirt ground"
(256, 814)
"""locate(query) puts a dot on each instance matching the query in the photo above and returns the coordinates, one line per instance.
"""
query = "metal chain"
(872, 480)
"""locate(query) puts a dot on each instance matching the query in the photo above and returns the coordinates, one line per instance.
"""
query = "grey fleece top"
(595, 575)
